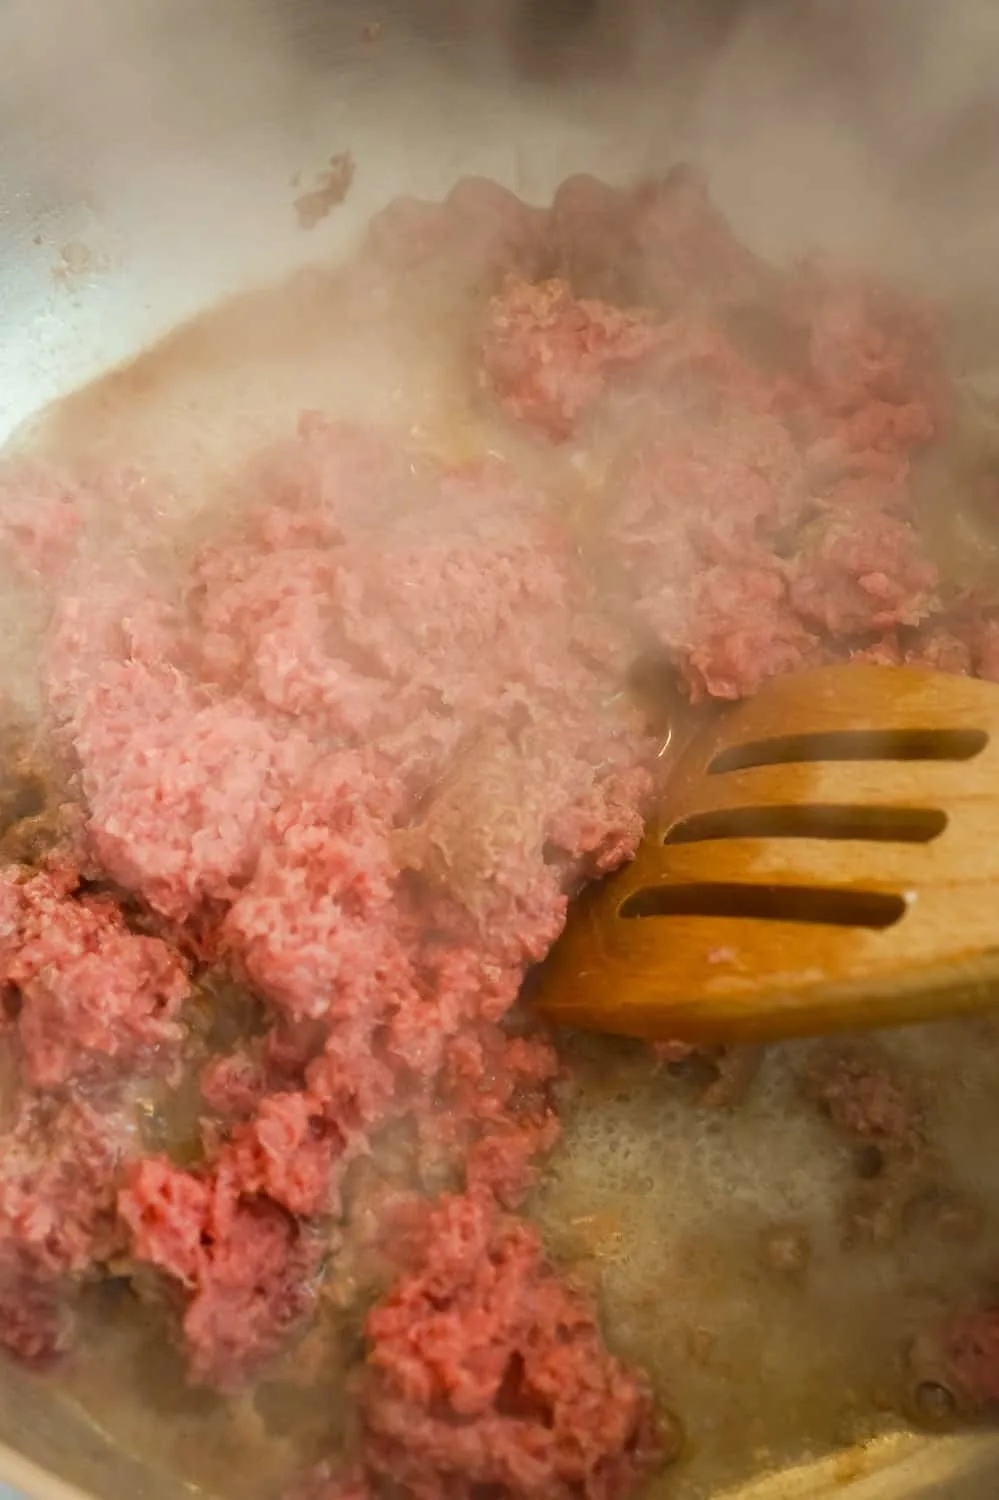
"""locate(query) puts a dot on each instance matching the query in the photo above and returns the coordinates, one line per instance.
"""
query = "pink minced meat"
(247, 1267)
(90, 997)
(364, 748)
(741, 630)
(856, 1087)
(758, 511)
(529, 1405)
(971, 1348)
(665, 244)
(40, 520)
(858, 571)
(871, 355)
(546, 354)
(371, 756)
(58, 1167)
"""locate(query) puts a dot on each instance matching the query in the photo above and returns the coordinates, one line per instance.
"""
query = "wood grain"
(826, 957)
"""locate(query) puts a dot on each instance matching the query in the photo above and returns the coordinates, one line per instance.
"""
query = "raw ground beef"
(759, 516)
(533, 1405)
(362, 759)
(359, 752)
(547, 354)
(247, 1268)
(882, 1117)
(87, 996)
(58, 1225)
(953, 1364)
(855, 1087)
(971, 1348)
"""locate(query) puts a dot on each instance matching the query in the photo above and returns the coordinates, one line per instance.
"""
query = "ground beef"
(365, 764)
(89, 1004)
(686, 249)
(741, 631)
(665, 244)
(233, 1085)
(761, 516)
(871, 357)
(497, 1111)
(722, 1076)
(39, 823)
(861, 572)
(485, 1370)
(40, 519)
(88, 994)
(971, 1350)
(360, 751)
(286, 1153)
(247, 1267)
(589, 236)
(856, 1088)
(546, 354)
(58, 1167)
(883, 1119)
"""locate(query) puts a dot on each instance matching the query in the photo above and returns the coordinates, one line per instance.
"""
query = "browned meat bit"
(857, 1088)
(76, 261)
(735, 1070)
(722, 1075)
(332, 187)
(952, 1370)
(949, 1214)
(34, 817)
(971, 1346)
(786, 1250)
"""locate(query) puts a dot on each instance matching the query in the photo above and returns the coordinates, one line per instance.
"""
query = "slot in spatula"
(825, 857)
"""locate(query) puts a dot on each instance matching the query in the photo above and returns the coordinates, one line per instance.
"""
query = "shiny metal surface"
(149, 148)
(163, 135)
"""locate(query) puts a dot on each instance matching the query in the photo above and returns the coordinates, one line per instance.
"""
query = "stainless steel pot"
(149, 148)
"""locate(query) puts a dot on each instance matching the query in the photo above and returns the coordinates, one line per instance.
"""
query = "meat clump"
(89, 996)
(882, 1117)
(971, 1348)
(245, 1265)
(363, 767)
(58, 1227)
(485, 1370)
(758, 508)
(546, 354)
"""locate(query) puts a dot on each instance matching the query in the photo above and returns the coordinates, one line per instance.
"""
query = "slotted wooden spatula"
(825, 858)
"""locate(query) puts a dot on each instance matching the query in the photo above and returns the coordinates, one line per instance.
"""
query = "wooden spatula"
(825, 857)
